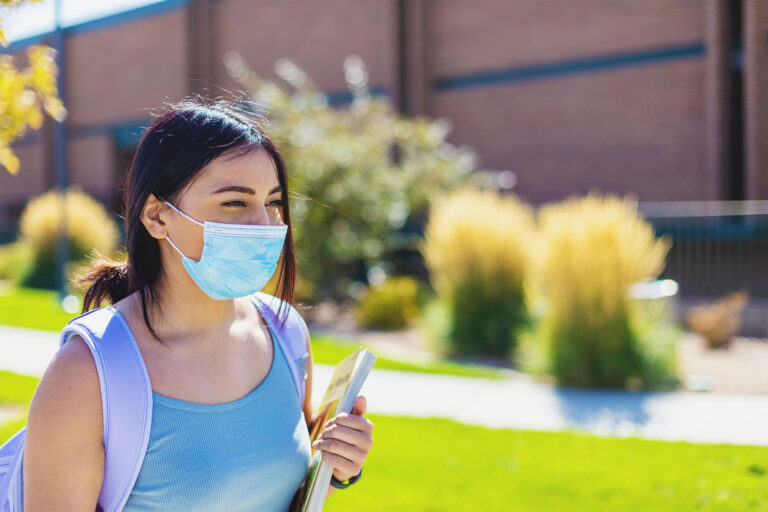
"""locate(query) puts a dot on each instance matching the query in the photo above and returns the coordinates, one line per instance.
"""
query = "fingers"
(341, 463)
(360, 406)
(345, 440)
(352, 421)
(354, 437)
(342, 448)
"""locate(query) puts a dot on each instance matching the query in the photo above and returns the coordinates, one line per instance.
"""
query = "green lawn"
(15, 391)
(28, 307)
(39, 309)
(436, 465)
(441, 465)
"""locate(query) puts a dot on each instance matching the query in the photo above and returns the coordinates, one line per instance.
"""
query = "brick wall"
(499, 33)
(639, 128)
(117, 72)
(316, 35)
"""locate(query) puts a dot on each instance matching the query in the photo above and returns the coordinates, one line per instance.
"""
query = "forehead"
(254, 168)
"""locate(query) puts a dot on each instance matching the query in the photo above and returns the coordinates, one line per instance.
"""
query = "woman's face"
(232, 189)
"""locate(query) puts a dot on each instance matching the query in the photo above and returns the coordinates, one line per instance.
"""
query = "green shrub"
(591, 251)
(476, 248)
(393, 304)
(88, 226)
(657, 348)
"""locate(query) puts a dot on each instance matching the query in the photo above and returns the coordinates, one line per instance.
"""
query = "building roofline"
(108, 21)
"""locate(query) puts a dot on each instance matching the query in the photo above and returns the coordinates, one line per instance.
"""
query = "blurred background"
(549, 218)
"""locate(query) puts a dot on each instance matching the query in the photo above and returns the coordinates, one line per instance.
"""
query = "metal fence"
(717, 246)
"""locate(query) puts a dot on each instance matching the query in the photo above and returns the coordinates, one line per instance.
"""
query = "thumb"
(360, 406)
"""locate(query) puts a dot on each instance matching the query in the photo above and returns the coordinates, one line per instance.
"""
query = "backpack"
(126, 396)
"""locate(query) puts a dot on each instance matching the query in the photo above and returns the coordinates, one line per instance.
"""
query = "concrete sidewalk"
(515, 403)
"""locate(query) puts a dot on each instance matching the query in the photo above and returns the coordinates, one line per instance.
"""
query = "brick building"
(661, 97)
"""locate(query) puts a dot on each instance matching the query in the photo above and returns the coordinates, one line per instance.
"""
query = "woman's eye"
(237, 203)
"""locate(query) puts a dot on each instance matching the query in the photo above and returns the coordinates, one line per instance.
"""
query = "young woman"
(227, 431)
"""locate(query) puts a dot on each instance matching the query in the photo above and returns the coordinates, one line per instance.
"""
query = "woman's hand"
(346, 440)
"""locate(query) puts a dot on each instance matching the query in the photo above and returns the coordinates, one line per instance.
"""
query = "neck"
(185, 315)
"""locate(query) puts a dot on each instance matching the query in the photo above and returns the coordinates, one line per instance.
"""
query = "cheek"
(193, 240)
(189, 238)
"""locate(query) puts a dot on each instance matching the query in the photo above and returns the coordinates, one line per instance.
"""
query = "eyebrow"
(244, 190)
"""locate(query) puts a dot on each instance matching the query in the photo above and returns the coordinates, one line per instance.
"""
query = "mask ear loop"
(168, 239)
(183, 215)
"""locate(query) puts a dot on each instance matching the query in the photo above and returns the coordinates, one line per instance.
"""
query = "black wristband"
(340, 485)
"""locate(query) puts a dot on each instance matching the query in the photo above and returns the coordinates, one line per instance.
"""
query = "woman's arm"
(63, 449)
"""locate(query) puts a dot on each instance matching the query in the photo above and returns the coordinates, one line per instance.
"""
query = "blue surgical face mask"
(238, 259)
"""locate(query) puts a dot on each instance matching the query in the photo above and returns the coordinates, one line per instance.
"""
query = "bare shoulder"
(70, 386)
(64, 453)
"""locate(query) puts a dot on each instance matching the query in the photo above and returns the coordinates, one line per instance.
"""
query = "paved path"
(514, 403)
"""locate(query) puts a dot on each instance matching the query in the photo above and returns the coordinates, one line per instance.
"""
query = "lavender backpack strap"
(126, 399)
(12, 473)
(292, 336)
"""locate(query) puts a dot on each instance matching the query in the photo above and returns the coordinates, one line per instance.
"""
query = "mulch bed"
(740, 368)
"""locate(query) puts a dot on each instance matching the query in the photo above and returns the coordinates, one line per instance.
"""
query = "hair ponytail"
(107, 280)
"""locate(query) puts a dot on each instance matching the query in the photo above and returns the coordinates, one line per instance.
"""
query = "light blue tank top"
(247, 455)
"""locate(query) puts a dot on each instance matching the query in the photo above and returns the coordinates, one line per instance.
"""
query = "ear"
(153, 217)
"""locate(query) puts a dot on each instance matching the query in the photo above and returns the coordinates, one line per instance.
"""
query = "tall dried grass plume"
(477, 249)
(591, 250)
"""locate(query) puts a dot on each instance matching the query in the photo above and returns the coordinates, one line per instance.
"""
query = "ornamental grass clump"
(88, 226)
(476, 248)
(591, 250)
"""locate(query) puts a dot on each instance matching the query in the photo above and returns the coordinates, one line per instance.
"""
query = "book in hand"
(346, 382)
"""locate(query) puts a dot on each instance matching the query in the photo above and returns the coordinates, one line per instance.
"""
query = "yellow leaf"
(24, 97)
(9, 160)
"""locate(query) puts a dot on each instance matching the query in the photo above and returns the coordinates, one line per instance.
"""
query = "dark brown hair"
(178, 144)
